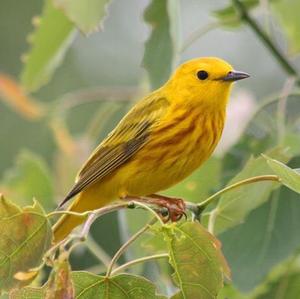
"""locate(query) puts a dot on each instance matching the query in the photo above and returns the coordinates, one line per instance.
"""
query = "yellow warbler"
(161, 140)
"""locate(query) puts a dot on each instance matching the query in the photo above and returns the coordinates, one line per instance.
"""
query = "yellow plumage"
(162, 139)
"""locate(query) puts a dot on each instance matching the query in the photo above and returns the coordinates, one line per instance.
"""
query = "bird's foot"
(175, 207)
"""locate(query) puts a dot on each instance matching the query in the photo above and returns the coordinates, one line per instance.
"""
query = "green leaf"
(160, 48)
(25, 236)
(86, 14)
(200, 184)
(50, 41)
(29, 178)
(235, 205)
(230, 17)
(197, 260)
(289, 177)
(269, 235)
(287, 13)
(121, 286)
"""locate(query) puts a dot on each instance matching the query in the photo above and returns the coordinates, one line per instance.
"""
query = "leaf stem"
(140, 260)
(128, 243)
(276, 52)
(255, 179)
(56, 213)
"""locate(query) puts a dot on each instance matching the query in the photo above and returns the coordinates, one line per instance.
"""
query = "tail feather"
(66, 223)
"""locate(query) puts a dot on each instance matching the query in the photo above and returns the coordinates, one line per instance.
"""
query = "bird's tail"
(66, 223)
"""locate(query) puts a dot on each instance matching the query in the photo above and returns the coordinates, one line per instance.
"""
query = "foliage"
(196, 259)
(286, 12)
(119, 286)
(28, 179)
(160, 47)
(86, 16)
(246, 199)
(229, 16)
(267, 225)
(53, 35)
(288, 176)
(24, 238)
(234, 205)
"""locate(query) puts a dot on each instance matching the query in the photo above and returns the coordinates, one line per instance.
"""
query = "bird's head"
(206, 79)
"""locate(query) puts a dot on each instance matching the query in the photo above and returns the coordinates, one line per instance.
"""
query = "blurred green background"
(97, 81)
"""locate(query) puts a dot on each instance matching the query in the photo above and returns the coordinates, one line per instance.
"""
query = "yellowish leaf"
(13, 94)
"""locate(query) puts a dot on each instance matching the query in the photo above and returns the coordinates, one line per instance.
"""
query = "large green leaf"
(235, 205)
(24, 237)
(269, 235)
(289, 177)
(121, 286)
(29, 178)
(86, 14)
(54, 34)
(197, 260)
(287, 12)
(160, 48)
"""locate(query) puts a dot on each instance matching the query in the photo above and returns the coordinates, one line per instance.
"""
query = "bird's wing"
(122, 143)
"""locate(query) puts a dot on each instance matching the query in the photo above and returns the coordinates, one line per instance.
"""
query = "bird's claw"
(174, 207)
(170, 208)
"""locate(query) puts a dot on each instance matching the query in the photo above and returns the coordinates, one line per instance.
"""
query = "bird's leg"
(175, 206)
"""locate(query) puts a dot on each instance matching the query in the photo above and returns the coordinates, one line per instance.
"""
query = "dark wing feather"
(127, 138)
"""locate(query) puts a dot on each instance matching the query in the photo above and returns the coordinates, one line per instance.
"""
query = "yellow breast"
(174, 150)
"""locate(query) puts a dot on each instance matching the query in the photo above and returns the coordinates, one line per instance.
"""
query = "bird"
(164, 137)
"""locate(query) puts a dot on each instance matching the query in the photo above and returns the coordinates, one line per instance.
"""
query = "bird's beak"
(235, 76)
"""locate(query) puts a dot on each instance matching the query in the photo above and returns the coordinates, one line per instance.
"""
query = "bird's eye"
(202, 75)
